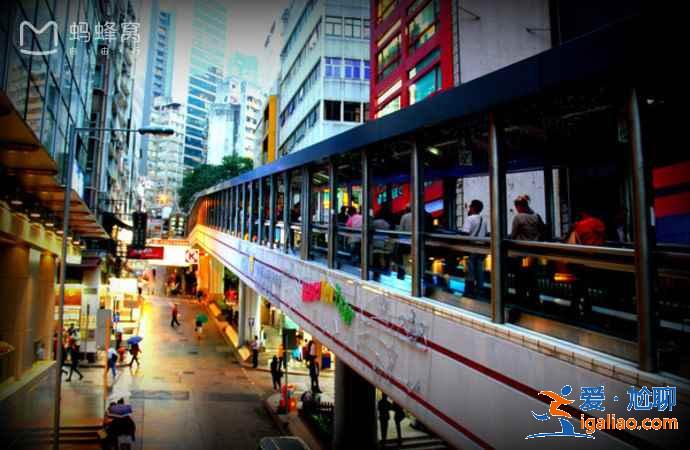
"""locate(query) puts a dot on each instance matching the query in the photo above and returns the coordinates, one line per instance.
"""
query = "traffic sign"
(191, 256)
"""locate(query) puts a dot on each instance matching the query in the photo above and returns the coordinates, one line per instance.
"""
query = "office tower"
(324, 83)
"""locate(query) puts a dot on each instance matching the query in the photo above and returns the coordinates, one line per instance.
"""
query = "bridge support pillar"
(355, 410)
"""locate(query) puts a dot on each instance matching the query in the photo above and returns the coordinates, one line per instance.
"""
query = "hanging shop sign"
(145, 253)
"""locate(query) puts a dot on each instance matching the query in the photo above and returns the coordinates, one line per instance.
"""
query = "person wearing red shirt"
(589, 230)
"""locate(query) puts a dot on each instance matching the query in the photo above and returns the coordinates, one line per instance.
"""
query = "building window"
(353, 69)
(331, 110)
(353, 27)
(388, 92)
(367, 70)
(384, 8)
(424, 25)
(389, 58)
(365, 107)
(390, 107)
(425, 85)
(334, 26)
(352, 111)
(333, 67)
(426, 61)
(366, 32)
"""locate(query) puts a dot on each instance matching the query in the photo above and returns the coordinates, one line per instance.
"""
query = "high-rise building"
(324, 82)
(233, 120)
(166, 156)
(201, 52)
(243, 66)
(421, 47)
(160, 53)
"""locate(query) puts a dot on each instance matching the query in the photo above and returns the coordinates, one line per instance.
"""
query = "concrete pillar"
(242, 320)
(14, 283)
(43, 316)
(355, 410)
(204, 273)
(90, 303)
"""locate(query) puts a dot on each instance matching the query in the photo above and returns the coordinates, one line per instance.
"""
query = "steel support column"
(287, 192)
(417, 243)
(272, 211)
(364, 210)
(645, 239)
(243, 219)
(260, 214)
(306, 213)
(332, 214)
(250, 210)
(497, 183)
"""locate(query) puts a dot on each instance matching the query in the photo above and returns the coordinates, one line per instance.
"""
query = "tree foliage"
(207, 175)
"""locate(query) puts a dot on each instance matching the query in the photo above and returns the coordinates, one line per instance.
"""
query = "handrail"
(608, 258)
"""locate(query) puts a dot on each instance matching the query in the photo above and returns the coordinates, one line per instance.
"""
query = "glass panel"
(255, 211)
(568, 182)
(348, 172)
(18, 80)
(266, 207)
(425, 85)
(423, 26)
(671, 184)
(319, 207)
(456, 268)
(278, 238)
(295, 196)
(390, 262)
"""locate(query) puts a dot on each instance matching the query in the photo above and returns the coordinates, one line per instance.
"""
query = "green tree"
(207, 175)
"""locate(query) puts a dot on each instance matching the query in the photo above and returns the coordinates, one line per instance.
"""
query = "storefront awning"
(23, 157)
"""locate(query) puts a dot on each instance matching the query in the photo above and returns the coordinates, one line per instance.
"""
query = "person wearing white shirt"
(475, 226)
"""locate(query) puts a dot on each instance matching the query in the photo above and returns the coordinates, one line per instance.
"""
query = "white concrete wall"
(499, 38)
(473, 382)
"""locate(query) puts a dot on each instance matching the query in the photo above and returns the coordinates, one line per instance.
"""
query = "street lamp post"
(71, 151)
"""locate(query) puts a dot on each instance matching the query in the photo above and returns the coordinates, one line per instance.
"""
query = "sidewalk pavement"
(243, 352)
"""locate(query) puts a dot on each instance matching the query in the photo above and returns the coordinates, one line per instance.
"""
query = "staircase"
(71, 438)
(417, 443)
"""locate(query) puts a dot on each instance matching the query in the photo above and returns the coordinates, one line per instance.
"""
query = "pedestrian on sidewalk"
(134, 350)
(314, 375)
(112, 361)
(74, 362)
(175, 314)
(276, 373)
(255, 352)
(198, 329)
(398, 416)
(384, 407)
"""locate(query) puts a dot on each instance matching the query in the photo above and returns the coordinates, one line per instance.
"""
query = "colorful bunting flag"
(311, 292)
(327, 292)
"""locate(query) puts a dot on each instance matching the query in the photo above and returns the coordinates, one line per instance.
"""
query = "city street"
(186, 394)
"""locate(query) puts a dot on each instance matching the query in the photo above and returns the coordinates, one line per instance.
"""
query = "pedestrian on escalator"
(384, 407)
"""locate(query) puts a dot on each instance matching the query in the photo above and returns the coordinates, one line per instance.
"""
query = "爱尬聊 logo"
(25, 47)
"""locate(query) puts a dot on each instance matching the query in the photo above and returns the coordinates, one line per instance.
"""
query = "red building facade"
(411, 52)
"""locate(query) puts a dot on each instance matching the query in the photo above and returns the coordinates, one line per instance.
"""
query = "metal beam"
(272, 211)
(364, 210)
(286, 211)
(417, 242)
(243, 219)
(332, 214)
(305, 200)
(260, 215)
(497, 184)
(645, 239)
